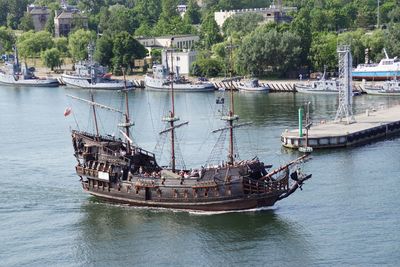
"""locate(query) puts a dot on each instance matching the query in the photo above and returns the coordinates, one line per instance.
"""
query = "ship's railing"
(82, 170)
(251, 186)
(143, 151)
(111, 152)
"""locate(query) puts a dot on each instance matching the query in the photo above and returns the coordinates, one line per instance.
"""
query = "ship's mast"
(171, 118)
(128, 122)
(231, 115)
(94, 114)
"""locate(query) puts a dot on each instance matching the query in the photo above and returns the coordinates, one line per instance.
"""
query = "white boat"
(252, 86)
(391, 87)
(13, 74)
(386, 69)
(322, 86)
(160, 80)
(91, 75)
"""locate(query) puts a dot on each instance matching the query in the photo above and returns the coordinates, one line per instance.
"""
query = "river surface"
(346, 215)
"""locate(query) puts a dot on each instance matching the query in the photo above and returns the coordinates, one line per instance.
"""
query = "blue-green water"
(347, 214)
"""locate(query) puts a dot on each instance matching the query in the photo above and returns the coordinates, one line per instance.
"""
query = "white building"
(181, 60)
(270, 14)
(184, 55)
(179, 41)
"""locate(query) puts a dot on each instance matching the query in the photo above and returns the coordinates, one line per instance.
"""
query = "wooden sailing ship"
(116, 170)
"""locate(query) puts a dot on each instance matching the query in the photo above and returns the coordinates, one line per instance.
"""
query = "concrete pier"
(368, 126)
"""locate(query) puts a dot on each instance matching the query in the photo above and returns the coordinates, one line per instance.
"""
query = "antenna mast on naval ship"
(344, 110)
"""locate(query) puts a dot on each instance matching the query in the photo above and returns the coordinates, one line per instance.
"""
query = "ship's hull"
(310, 90)
(380, 91)
(8, 79)
(375, 75)
(85, 83)
(199, 204)
(253, 89)
(161, 85)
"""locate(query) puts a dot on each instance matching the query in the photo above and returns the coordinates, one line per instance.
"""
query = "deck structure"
(369, 126)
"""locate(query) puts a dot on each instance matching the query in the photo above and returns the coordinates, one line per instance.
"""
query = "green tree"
(301, 27)
(323, 51)
(15, 12)
(61, 44)
(148, 11)
(354, 39)
(206, 67)
(78, 42)
(375, 42)
(143, 30)
(7, 39)
(265, 49)
(192, 15)
(392, 38)
(26, 23)
(51, 58)
(209, 33)
(104, 50)
(125, 50)
(241, 24)
(118, 18)
(31, 44)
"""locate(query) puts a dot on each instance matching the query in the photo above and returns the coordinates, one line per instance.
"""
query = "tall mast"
(128, 122)
(231, 116)
(171, 118)
(94, 115)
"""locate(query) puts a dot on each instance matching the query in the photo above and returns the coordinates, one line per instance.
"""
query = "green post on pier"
(300, 122)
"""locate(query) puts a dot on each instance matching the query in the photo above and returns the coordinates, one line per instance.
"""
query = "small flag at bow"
(67, 111)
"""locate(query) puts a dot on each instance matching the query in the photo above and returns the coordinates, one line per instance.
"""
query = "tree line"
(307, 42)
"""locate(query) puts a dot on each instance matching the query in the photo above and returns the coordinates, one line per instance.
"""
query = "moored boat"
(14, 74)
(91, 75)
(388, 68)
(161, 79)
(321, 86)
(391, 87)
(252, 86)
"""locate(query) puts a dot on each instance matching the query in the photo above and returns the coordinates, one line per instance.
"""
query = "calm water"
(348, 214)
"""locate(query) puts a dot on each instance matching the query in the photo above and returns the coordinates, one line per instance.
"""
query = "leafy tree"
(104, 50)
(15, 12)
(170, 22)
(241, 24)
(354, 39)
(143, 30)
(323, 50)
(78, 42)
(51, 58)
(394, 15)
(49, 26)
(192, 15)
(26, 23)
(392, 38)
(91, 6)
(374, 41)
(117, 19)
(7, 39)
(209, 33)
(156, 55)
(61, 44)
(3, 12)
(302, 28)
(206, 67)
(148, 11)
(31, 44)
(265, 49)
(125, 50)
